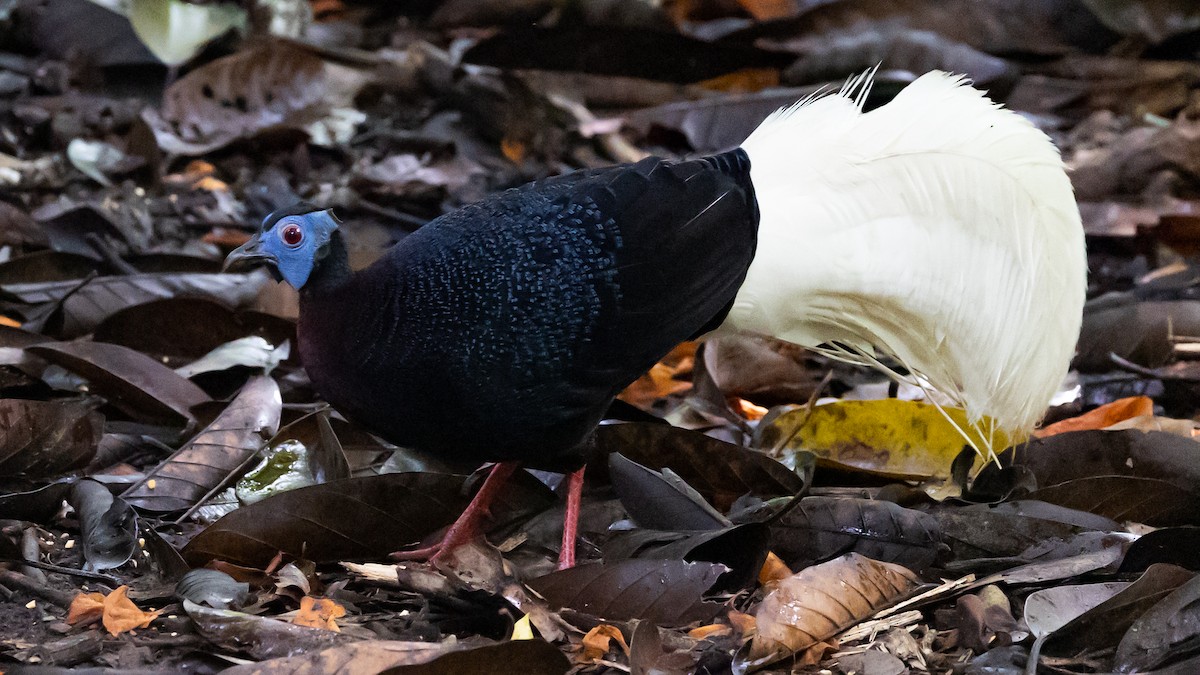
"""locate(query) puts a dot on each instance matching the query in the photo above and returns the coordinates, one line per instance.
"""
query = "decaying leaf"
(274, 85)
(814, 605)
(599, 640)
(666, 592)
(44, 438)
(115, 610)
(377, 657)
(319, 613)
(1102, 417)
(107, 524)
(890, 437)
(135, 383)
(213, 455)
(721, 472)
(358, 518)
(820, 528)
(1049, 609)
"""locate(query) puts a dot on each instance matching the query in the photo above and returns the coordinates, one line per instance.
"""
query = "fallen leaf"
(598, 641)
(814, 605)
(45, 438)
(665, 592)
(319, 613)
(86, 608)
(773, 569)
(208, 460)
(137, 384)
(907, 440)
(175, 30)
(117, 611)
(272, 85)
(1102, 417)
(122, 616)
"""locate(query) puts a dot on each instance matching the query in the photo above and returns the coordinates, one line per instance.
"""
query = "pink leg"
(566, 555)
(467, 527)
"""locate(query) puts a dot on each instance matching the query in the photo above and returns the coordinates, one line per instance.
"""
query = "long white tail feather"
(939, 229)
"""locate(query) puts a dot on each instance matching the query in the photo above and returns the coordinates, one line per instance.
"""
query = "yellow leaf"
(522, 629)
(908, 440)
(175, 31)
(319, 613)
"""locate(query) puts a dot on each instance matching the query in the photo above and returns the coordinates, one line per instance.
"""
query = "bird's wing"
(687, 234)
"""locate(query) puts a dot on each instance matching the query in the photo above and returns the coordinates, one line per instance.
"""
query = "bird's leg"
(467, 527)
(566, 555)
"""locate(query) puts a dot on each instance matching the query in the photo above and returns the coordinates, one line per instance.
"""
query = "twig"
(24, 583)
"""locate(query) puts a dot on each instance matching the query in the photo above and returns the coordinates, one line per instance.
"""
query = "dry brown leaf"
(319, 613)
(812, 606)
(1104, 416)
(599, 639)
(745, 623)
(86, 608)
(1185, 428)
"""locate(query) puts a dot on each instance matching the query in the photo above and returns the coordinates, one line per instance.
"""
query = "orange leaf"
(749, 410)
(711, 630)
(773, 569)
(662, 378)
(598, 641)
(1104, 416)
(122, 616)
(5, 321)
(763, 10)
(747, 80)
(514, 150)
(86, 608)
(319, 613)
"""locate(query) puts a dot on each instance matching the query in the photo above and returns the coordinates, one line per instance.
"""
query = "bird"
(935, 238)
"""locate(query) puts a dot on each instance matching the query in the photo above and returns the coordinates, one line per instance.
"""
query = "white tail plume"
(939, 229)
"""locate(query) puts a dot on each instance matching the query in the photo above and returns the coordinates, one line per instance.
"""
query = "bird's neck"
(330, 272)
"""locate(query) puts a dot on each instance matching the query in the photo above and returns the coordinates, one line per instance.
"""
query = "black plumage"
(503, 330)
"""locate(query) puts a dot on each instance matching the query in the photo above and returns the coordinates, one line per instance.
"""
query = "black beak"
(248, 255)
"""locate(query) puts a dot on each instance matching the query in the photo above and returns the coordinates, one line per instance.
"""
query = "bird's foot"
(469, 524)
(566, 555)
(459, 534)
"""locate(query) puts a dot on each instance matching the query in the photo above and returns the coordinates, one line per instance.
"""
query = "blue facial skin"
(295, 261)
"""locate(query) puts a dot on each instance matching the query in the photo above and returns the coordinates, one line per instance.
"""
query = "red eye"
(291, 235)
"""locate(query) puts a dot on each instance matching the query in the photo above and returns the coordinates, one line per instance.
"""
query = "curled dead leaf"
(812, 606)
(116, 610)
(319, 613)
(599, 640)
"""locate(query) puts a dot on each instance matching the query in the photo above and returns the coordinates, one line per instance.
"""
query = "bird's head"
(290, 243)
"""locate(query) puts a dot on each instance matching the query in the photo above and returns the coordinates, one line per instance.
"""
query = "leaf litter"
(176, 496)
